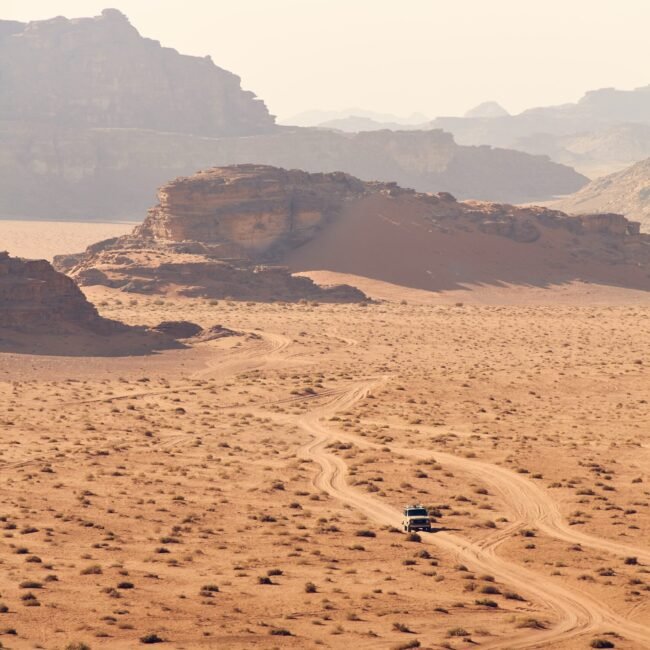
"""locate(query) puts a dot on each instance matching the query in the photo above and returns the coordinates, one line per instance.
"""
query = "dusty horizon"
(399, 63)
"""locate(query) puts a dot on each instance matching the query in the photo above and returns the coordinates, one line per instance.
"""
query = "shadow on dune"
(404, 247)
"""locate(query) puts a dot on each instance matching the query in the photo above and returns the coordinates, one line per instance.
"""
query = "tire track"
(576, 613)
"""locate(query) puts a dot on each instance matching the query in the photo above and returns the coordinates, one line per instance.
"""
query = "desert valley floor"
(246, 492)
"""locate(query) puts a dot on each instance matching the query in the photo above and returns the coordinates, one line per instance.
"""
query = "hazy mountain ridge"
(335, 222)
(113, 173)
(627, 192)
(610, 119)
(93, 118)
(99, 72)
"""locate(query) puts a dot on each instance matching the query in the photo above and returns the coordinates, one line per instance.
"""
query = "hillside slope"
(626, 192)
(258, 214)
(94, 117)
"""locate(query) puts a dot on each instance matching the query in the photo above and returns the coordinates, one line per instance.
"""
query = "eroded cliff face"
(627, 192)
(211, 233)
(34, 295)
(99, 72)
(222, 233)
(107, 173)
(252, 209)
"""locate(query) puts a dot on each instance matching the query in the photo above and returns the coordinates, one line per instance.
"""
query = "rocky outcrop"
(93, 118)
(43, 311)
(162, 268)
(99, 72)
(247, 210)
(229, 233)
(626, 192)
(210, 234)
(113, 173)
(35, 296)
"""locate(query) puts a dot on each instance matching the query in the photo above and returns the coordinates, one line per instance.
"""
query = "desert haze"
(340, 382)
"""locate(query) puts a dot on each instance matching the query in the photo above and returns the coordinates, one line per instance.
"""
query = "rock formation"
(222, 233)
(99, 72)
(247, 210)
(93, 118)
(43, 311)
(209, 234)
(113, 173)
(605, 131)
(627, 192)
(35, 296)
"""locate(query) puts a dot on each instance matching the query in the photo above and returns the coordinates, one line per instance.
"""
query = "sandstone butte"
(33, 294)
(237, 232)
(44, 311)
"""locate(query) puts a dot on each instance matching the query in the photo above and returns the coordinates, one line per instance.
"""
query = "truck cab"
(416, 518)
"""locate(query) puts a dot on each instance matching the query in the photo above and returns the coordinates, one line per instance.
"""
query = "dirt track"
(325, 400)
(578, 613)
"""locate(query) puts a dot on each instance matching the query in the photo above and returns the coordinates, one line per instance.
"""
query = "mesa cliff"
(213, 235)
(94, 117)
(228, 232)
(99, 72)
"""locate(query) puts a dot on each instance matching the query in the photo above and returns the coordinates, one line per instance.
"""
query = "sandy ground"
(246, 493)
(45, 239)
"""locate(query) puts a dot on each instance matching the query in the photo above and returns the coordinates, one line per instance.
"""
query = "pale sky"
(437, 57)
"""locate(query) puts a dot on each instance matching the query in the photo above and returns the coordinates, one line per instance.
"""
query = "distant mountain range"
(319, 117)
(94, 117)
(606, 131)
(626, 192)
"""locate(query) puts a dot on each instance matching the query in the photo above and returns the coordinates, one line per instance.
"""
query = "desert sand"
(246, 492)
(45, 239)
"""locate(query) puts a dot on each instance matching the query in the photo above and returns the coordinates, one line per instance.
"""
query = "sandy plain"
(45, 239)
(245, 493)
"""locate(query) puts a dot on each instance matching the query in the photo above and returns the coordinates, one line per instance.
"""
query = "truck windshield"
(416, 512)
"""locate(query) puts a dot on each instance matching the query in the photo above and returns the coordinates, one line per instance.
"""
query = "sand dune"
(397, 242)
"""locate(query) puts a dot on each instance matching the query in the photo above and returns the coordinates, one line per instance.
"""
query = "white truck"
(416, 518)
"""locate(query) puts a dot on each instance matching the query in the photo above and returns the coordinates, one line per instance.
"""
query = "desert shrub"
(151, 638)
(77, 646)
(401, 627)
(366, 533)
(413, 537)
(28, 530)
(280, 632)
(512, 595)
(310, 588)
(457, 631)
(413, 643)
(125, 585)
(486, 602)
(533, 623)
(601, 643)
(93, 569)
